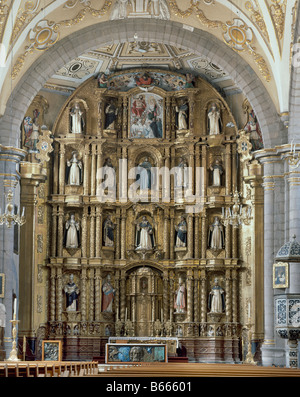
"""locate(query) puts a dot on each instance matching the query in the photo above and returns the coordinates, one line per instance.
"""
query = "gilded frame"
(51, 350)
(280, 275)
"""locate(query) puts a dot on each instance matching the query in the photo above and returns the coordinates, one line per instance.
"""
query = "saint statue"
(76, 119)
(181, 230)
(72, 237)
(144, 174)
(108, 293)
(160, 9)
(182, 174)
(216, 299)
(71, 291)
(217, 171)
(144, 235)
(31, 128)
(120, 10)
(74, 171)
(214, 120)
(216, 235)
(111, 113)
(180, 297)
(182, 115)
(108, 232)
(109, 173)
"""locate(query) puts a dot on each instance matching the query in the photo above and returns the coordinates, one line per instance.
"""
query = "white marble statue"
(217, 171)
(72, 233)
(77, 122)
(182, 111)
(182, 174)
(180, 297)
(216, 299)
(120, 10)
(160, 9)
(144, 235)
(214, 120)
(74, 171)
(216, 235)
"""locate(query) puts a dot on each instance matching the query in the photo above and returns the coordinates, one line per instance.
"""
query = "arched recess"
(200, 42)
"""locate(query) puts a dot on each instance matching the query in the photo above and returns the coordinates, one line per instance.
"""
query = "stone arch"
(170, 32)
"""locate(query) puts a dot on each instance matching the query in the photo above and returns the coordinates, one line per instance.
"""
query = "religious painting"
(51, 350)
(146, 116)
(280, 275)
(135, 353)
(2, 284)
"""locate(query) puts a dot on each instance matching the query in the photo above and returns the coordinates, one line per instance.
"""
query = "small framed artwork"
(280, 275)
(51, 350)
(2, 284)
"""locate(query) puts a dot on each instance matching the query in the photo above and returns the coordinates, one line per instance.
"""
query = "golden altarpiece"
(99, 259)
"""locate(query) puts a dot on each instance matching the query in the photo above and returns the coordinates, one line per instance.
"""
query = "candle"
(126, 314)
(15, 306)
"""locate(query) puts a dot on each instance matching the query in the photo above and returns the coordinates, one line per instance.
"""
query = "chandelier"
(236, 215)
(9, 217)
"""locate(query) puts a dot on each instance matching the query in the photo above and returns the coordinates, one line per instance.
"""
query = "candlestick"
(14, 352)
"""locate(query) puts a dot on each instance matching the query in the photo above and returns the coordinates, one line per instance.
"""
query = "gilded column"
(172, 236)
(123, 296)
(93, 170)
(60, 232)
(204, 166)
(171, 280)
(59, 289)
(203, 308)
(196, 237)
(99, 166)
(234, 168)
(203, 234)
(62, 169)
(52, 293)
(166, 233)
(166, 296)
(118, 235)
(117, 294)
(97, 294)
(190, 295)
(172, 184)
(92, 233)
(234, 241)
(228, 230)
(190, 237)
(84, 232)
(56, 168)
(196, 296)
(228, 170)
(123, 234)
(166, 191)
(86, 167)
(92, 294)
(168, 118)
(191, 112)
(234, 296)
(83, 277)
(98, 231)
(54, 231)
(125, 117)
(228, 295)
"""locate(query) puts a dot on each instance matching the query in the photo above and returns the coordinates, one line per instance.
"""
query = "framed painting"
(51, 350)
(146, 115)
(2, 284)
(280, 275)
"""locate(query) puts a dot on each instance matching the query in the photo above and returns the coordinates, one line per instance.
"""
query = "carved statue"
(76, 119)
(181, 230)
(182, 174)
(74, 171)
(216, 299)
(216, 235)
(144, 174)
(120, 10)
(144, 235)
(108, 293)
(72, 236)
(108, 232)
(214, 120)
(111, 113)
(72, 292)
(160, 9)
(31, 128)
(182, 115)
(217, 171)
(180, 297)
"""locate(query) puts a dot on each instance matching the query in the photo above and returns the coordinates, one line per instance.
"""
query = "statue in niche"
(108, 293)
(182, 115)
(217, 171)
(180, 297)
(111, 114)
(214, 120)
(144, 235)
(31, 128)
(181, 233)
(109, 173)
(74, 171)
(182, 174)
(120, 10)
(76, 120)
(108, 232)
(72, 235)
(216, 235)
(72, 292)
(253, 129)
(216, 299)
(160, 9)
(144, 174)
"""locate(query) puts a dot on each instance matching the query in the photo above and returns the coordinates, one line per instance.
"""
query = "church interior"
(150, 187)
